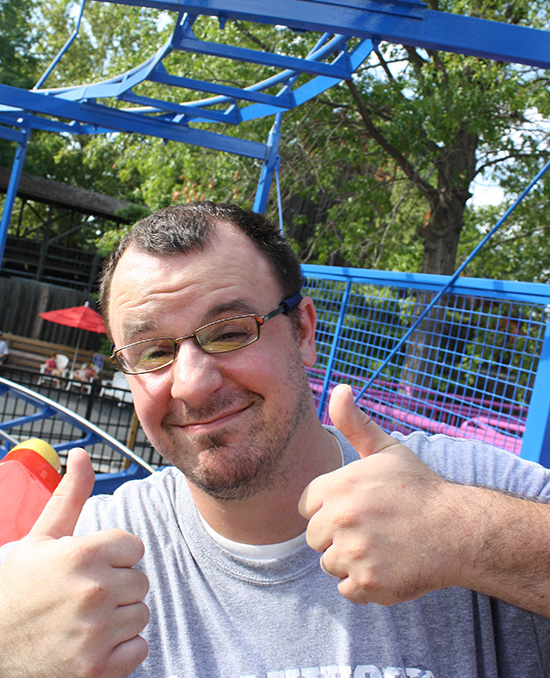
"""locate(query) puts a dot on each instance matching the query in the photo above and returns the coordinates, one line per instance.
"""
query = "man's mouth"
(215, 422)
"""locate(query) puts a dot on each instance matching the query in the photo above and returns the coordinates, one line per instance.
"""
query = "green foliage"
(365, 168)
(509, 358)
(110, 240)
(18, 59)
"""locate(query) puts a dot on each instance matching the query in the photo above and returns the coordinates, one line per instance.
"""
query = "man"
(4, 350)
(203, 308)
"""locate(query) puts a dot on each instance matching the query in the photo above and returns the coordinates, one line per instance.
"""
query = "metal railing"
(26, 414)
(476, 366)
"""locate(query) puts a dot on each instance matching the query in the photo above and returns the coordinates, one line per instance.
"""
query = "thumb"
(61, 513)
(361, 431)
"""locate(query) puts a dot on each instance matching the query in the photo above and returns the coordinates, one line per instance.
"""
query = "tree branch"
(497, 161)
(384, 64)
(244, 31)
(377, 135)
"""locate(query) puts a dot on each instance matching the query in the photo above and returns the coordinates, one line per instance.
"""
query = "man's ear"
(306, 331)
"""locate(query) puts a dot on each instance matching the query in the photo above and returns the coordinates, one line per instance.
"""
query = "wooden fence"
(31, 353)
(21, 301)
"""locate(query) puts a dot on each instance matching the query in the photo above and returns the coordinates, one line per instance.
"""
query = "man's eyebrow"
(232, 307)
(136, 328)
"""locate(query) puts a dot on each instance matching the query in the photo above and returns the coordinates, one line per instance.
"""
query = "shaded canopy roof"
(66, 196)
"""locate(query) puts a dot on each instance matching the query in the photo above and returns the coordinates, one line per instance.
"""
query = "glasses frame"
(284, 307)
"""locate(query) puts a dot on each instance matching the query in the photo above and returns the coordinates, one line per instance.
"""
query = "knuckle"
(358, 553)
(129, 541)
(92, 593)
(137, 585)
(366, 582)
(77, 551)
(141, 583)
(345, 517)
(90, 666)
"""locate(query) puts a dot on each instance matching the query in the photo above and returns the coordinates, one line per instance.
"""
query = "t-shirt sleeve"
(472, 462)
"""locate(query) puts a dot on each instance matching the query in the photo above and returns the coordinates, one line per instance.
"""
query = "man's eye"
(155, 354)
(233, 333)
(227, 335)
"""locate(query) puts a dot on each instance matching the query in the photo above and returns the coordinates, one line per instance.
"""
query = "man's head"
(233, 422)
(180, 229)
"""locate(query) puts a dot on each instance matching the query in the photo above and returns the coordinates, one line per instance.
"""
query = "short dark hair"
(180, 229)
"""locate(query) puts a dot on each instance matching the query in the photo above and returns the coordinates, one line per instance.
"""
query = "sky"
(485, 192)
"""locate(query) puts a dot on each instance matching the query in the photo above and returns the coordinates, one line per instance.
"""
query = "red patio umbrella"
(82, 317)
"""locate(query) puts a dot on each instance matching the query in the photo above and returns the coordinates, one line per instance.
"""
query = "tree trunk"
(440, 237)
(441, 234)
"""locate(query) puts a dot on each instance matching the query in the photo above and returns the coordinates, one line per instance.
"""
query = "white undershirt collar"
(261, 551)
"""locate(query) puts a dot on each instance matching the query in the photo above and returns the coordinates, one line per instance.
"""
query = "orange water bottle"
(29, 474)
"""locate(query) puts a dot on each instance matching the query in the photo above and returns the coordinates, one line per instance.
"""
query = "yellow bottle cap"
(43, 448)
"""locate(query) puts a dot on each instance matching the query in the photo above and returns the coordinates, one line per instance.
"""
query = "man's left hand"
(385, 524)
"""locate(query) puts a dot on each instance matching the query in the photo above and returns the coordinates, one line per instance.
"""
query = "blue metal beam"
(11, 192)
(187, 110)
(312, 87)
(49, 125)
(398, 22)
(12, 135)
(336, 69)
(161, 76)
(268, 166)
(117, 120)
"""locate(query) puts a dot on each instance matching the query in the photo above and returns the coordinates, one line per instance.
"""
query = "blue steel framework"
(483, 368)
(96, 108)
(66, 429)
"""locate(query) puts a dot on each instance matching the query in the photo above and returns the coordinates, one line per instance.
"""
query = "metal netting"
(467, 369)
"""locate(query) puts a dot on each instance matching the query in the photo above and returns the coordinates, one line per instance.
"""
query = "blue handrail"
(92, 434)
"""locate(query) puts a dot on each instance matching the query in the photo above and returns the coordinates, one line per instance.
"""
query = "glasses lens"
(147, 355)
(228, 335)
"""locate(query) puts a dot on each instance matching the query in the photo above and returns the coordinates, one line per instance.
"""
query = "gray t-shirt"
(218, 615)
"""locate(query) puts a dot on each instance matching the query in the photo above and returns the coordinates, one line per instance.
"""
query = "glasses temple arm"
(291, 302)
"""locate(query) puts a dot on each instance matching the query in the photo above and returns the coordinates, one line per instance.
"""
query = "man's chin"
(226, 482)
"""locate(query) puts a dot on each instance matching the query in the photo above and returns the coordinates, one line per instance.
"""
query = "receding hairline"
(131, 243)
(181, 229)
(209, 242)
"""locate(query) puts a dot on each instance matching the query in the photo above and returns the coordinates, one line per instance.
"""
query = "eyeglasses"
(221, 336)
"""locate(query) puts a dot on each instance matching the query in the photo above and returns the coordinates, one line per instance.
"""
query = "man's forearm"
(506, 547)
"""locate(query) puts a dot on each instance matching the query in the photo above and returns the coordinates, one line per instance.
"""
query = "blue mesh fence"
(477, 366)
(468, 369)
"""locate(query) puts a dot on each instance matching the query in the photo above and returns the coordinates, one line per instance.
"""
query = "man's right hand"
(71, 607)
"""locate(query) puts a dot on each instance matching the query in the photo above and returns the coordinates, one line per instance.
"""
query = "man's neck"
(271, 516)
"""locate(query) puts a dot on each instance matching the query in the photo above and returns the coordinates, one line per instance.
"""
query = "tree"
(18, 60)
(438, 121)
(376, 172)
(19, 63)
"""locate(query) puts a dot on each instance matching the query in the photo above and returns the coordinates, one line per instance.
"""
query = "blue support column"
(11, 193)
(268, 167)
(334, 348)
(536, 439)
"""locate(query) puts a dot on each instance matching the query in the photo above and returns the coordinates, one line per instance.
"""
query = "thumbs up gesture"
(382, 523)
(70, 606)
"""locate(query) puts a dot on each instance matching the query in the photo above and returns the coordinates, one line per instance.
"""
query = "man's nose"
(195, 374)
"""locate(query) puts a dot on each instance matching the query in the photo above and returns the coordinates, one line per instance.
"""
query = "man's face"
(231, 422)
